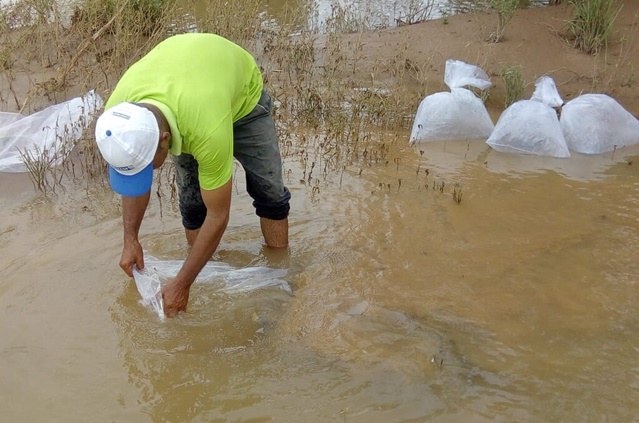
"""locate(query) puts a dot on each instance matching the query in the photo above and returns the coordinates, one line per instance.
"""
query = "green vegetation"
(592, 23)
(505, 12)
(514, 83)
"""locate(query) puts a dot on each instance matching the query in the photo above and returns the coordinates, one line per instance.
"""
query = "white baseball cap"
(127, 136)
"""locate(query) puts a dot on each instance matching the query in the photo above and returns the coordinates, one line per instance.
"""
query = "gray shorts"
(256, 147)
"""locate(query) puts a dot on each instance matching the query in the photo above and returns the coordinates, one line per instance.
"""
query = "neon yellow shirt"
(202, 83)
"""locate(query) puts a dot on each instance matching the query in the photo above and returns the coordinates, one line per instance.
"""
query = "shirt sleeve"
(215, 156)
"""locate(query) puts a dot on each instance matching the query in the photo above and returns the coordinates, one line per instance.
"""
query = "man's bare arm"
(133, 209)
(218, 205)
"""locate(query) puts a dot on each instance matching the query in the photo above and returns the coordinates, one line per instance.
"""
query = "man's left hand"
(175, 297)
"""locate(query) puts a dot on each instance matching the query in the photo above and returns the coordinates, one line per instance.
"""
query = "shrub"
(505, 12)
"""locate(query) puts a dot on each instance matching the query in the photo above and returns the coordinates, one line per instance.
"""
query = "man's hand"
(175, 296)
(132, 255)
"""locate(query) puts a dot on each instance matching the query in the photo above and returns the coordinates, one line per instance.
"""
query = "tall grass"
(239, 21)
(591, 23)
(331, 112)
(60, 53)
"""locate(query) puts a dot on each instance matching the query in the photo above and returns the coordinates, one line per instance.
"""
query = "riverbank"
(535, 40)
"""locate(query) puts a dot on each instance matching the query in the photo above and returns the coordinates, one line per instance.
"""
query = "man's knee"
(193, 215)
(274, 207)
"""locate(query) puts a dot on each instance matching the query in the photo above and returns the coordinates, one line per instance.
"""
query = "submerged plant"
(457, 194)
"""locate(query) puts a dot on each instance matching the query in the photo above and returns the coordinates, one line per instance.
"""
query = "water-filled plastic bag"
(455, 115)
(597, 123)
(532, 126)
(529, 127)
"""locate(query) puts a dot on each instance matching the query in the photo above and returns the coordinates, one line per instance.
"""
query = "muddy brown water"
(518, 304)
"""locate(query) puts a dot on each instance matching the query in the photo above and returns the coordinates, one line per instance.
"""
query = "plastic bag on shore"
(597, 123)
(455, 115)
(49, 134)
(229, 279)
(532, 126)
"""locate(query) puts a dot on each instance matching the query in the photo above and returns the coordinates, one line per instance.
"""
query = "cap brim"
(132, 185)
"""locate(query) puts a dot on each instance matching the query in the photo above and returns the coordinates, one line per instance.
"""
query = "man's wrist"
(182, 282)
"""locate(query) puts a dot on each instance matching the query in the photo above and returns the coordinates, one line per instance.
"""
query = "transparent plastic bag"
(546, 92)
(597, 123)
(455, 115)
(49, 134)
(7, 118)
(459, 74)
(532, 126)
(228, 279)
(150, 289)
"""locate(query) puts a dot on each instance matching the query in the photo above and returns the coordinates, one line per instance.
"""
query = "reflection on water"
(518, 304)
(383, 13)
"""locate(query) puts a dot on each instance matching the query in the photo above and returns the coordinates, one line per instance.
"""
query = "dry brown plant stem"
(74, 60)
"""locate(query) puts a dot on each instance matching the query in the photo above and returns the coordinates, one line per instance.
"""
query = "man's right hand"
(132, 255)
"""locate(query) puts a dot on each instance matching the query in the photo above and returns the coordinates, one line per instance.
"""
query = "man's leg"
(192, 207)
(256, 147)
(275, 232)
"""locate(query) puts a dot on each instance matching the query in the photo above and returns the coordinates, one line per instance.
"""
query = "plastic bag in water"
(455, 115)
(150, 289)
(597, 123)
(228, 279)
(532, 126)
(50, 133)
